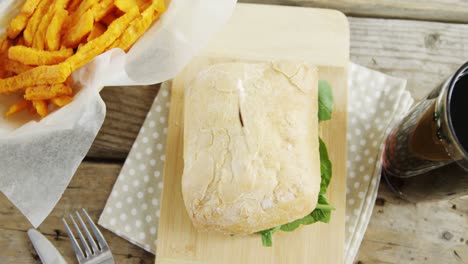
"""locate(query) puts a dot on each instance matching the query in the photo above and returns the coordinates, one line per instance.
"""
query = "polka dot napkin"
(132, 210)
(375, 102)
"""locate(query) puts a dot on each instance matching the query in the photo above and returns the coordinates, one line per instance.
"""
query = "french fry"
(126, 5)
(16, 67)
(30, 108)
(109, 18)
(32, 56)
(40, 35)
(46, 92)
(41, 107)
(52, 41)
(140, 25)
(19, 22)
(76, 15)
(17, 107)
(35, 20)
(61, 100)
(73, 5)
(17, 25)
(29, 7)
(20, 41)
(80, 30)
(40, 75)
(98, 45)
(97, 31)
(4, 46)
(102, 9)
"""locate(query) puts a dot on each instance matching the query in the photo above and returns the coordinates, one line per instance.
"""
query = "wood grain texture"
(126, 110)
(399, 232)
(424, 53)
(89, 189)
(429, 10)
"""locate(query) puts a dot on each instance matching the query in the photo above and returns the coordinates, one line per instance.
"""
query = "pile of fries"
(50, 39)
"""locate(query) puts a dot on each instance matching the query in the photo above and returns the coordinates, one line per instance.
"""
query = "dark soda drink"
(426, 155)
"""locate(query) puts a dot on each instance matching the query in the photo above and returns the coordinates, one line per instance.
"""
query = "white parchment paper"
(39, 157)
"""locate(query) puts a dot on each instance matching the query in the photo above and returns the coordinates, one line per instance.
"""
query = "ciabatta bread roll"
(251, 149)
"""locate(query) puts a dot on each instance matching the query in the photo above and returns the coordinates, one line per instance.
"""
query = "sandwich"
(253, 159)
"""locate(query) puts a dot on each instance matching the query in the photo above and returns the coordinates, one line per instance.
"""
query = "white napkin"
(132, 210)
(40, 157)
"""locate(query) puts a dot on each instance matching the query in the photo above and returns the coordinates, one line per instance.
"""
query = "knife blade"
(46, 251)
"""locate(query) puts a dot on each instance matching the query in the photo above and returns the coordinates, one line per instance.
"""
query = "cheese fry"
(61, 100)
(36, 76)
(41, 107)
(46, 92)
(17, 107)
(79, 31)
(140, 25)
(16, 67)
(53, 31)
(95, 47)
(97, 31)
(34, 21)
(102, 9)
(31, 56)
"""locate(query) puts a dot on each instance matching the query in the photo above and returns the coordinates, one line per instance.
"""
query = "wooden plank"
(313, 35)
(399, 232)
(126, 110)
(89, 189)
(429, 10)
(424, 53)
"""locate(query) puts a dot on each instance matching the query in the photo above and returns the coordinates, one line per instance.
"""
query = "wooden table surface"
(422, 41)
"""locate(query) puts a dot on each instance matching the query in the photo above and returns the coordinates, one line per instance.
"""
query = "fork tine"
(76, 247)
(100, 238)
(88, 235)
(83, 241)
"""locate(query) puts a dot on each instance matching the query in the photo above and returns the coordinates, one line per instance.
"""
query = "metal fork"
(93, 254)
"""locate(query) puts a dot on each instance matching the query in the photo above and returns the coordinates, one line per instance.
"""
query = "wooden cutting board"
(261, 32)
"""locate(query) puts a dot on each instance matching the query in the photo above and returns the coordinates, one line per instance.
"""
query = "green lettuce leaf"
(325, 167)
(325, 97)
(322, 213)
